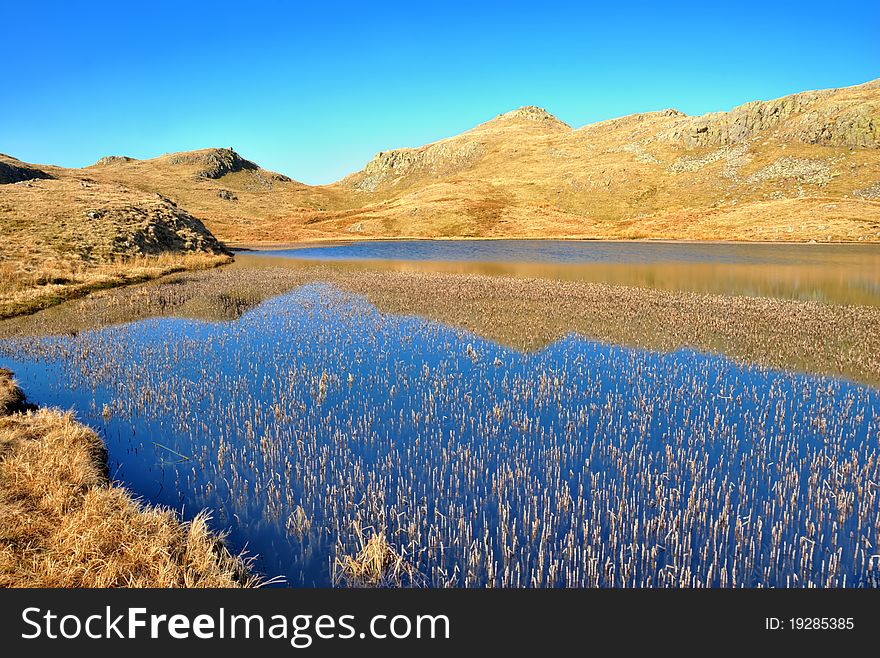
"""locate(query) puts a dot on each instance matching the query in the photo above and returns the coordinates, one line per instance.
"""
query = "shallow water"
(313, 417)
(839, 273)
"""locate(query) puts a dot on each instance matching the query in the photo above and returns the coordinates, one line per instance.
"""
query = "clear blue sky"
(314, 89)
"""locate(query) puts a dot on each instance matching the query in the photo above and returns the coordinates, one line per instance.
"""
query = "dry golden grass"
(11, 397)
(377, 564)
(25, 290)
(62, 524)
(62, 238)
(525, 174)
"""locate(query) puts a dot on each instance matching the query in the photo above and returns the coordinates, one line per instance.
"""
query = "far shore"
(335, 241)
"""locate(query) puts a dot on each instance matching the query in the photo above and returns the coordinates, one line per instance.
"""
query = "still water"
(313, 420)
(839, 273)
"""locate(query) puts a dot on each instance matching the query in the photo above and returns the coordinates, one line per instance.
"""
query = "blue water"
(484, 465)
(578, 251)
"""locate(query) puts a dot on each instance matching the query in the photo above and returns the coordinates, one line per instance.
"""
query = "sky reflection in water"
(835, 273)
(581, 464)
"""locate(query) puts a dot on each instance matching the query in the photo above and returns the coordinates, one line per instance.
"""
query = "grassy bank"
(64, 524)
(52, 282)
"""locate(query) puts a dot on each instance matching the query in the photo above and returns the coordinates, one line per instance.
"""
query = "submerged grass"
(63, 524)
(376, 564)
(365, 449)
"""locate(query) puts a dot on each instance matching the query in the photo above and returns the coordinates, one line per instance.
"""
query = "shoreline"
(134, 275)
(245, 247)
(145, 273)
(65, 523)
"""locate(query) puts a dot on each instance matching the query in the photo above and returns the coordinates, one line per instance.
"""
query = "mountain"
(801, 167)
(805, 166)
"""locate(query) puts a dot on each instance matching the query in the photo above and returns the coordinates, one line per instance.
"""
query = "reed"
(63, 524)
(376, 564)
(352, 445)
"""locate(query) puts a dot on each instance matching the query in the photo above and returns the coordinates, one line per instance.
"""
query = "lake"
(833, 273)
(310, 420)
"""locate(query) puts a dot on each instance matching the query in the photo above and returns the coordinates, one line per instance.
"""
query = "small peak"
(532, 113)
(212, 162)
(113, 159)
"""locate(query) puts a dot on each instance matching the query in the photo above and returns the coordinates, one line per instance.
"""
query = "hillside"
(802, 167)
(62, 235)
(236, 198)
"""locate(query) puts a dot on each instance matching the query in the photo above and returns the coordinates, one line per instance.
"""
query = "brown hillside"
(62, 237)
(15, 171)
(802, 167)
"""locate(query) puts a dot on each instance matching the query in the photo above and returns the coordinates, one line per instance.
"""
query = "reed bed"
(25, 287)
(377, 564)
(62, 524)
(524, 314)
(350, 446)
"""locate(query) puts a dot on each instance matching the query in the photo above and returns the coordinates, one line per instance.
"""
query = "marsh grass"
(25, 289)
(63, 524)
(376, 564)
(350, 456)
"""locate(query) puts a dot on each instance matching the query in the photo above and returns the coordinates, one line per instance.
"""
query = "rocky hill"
(15, 171)
(802, 167)
(61, 236)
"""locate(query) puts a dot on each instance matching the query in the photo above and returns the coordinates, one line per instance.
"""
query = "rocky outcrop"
(15, 171)
(838, 125)
(534, 114)
(832, 117)
(213, 163)
(113, 159)
(155, 228)
(441, 158)
(871, 192)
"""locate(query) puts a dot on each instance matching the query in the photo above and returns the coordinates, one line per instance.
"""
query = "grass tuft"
(377, 564)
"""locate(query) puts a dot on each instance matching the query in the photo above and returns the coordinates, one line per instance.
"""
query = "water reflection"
(840, 274)
(314, 415)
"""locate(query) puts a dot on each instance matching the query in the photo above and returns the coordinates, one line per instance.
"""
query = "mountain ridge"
(800, 167)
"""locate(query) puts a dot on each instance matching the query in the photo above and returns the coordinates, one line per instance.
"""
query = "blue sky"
(314, 90)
